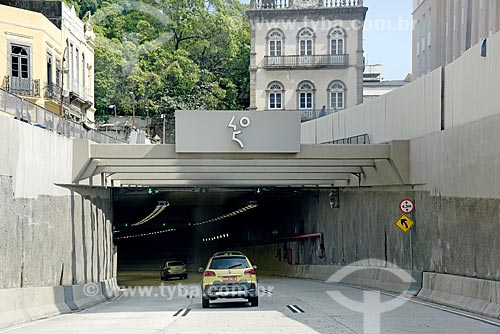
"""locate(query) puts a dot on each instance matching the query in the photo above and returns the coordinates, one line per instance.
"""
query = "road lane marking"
(295, 309)
(186, 311)
(300, 310)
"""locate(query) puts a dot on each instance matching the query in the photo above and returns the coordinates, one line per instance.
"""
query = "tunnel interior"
(193, 223)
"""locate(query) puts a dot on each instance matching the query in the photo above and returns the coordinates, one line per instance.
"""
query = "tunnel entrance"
(156, 224)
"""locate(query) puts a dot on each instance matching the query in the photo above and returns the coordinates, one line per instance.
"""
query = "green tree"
(198, 59)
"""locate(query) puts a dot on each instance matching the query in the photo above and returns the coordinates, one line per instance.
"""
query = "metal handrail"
(355, 140)
(35, 115)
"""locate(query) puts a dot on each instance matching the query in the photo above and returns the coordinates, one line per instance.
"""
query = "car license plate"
(229, 278)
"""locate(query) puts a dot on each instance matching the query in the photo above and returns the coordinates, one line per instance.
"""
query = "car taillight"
(250, 272)
(209, 273)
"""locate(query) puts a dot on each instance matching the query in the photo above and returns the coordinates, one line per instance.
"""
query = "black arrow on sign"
(403, 222)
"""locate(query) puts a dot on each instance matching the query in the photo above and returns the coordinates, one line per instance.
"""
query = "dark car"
(173, 269)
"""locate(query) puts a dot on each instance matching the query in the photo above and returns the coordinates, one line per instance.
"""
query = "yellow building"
(31, 57)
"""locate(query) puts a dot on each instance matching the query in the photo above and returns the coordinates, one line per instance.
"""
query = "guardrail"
(37, 116)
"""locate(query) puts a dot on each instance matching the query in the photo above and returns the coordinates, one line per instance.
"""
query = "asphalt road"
(289, 306)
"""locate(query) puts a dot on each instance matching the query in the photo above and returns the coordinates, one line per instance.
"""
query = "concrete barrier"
(110, 288)
(21, 305)
(78, 297)
(379, 278)
(469, 294)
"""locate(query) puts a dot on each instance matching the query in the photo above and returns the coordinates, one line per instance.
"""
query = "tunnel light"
(249, 206)
(162, 205)
(145, 234)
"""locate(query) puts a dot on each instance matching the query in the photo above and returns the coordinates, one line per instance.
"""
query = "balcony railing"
(286, 4)
(53, 91)
(22, 86)
(84, 93)
(306, 61)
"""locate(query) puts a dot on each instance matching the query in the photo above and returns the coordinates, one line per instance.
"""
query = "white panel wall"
(471, 93)
(409, 112)
(472, 85)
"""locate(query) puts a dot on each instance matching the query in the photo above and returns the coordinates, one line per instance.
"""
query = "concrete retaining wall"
(52, 236)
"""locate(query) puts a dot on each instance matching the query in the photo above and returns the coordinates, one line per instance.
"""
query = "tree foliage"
(173, 54)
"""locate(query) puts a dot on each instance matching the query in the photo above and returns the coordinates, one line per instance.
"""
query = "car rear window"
(175, 264)
(229, 262)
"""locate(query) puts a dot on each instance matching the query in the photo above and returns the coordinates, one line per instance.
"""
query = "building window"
(49, 69)
(71, 76)
(275, 96)
(20, 62)
(306, 95)
(306, 38)
(337, 42)
(275, 38)
(337, 96)
(77, 74)
(83, 73)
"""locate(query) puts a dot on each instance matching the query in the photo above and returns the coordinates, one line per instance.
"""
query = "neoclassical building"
(47, 53)
(306, 54)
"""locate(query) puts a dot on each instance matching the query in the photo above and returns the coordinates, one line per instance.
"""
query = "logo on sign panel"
(244, 123)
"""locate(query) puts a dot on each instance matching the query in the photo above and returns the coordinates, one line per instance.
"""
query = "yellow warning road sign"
(405, 223)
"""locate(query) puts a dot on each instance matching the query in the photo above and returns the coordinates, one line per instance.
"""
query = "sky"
(388, 36)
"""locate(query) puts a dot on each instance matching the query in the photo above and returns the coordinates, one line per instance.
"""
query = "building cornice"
(343, 13)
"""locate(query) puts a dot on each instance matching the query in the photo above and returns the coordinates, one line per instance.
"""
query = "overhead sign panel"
(237, 132)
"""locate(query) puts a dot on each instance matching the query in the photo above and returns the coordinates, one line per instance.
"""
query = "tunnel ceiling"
(188, 205)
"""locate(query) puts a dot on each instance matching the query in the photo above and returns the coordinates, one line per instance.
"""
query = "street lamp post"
(164, 118)
(147, 121)
(61, 108)
(133, 108)
(116, 119)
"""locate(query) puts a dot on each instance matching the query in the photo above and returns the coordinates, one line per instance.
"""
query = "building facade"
(445, 29)
(46, 46)
(374, 84)
(306, 54)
